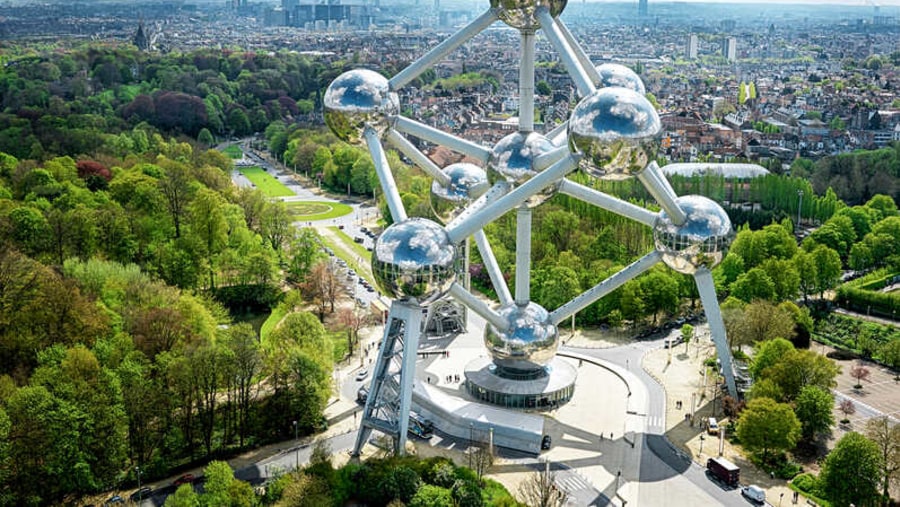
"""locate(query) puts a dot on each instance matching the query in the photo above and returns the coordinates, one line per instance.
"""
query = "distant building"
(729, 49)
(141, 38)
(691, 47)
(642, 8)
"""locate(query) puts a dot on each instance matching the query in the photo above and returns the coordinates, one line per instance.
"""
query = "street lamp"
(702, 438)
(140, 496)
(297, 449)
(799, 207)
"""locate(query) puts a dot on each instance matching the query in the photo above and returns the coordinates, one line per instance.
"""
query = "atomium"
(356, 100)
(617, 131)
(529, 341)
(414, 260)
(701, 241)
(613, 74)
(512, 160)
(521, 13)
(467, 183)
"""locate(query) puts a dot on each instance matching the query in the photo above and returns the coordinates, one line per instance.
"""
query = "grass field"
(356, 247)
(233, 151)
(265, 182)
(313, 210)
(349, 259)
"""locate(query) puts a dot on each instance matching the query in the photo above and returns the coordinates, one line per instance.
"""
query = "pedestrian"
(601, 435)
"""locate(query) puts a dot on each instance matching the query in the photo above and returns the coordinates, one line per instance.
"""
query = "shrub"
(807, 483)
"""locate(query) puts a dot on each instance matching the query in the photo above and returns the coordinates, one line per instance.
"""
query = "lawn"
(348, 241)
(233, 151)
(315, 210)
(265, 182)
(341, 253)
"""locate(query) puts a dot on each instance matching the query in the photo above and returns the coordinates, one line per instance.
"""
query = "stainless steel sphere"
(521, 13)
(529, 341)
(358, 99)
(613, 74)
(512, 160)
(467, 183)
(617, 131)
(414, 260)
(701, 241)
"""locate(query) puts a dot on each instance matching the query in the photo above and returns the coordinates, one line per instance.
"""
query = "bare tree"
(481, 458)
(848, 408)
(323, 286)
(887, 436)
(860, 373)
(540, 490)
(353, 319)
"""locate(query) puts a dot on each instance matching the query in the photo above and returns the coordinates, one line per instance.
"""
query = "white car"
(754, 493)
(362, 374)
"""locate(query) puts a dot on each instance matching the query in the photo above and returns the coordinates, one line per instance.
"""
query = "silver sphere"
(512, 160)
(521, 13)
(467, 183)
(529, 341)
(701, 241)
(358, 99)
(414, 260)
(613, 74)
(617, 131)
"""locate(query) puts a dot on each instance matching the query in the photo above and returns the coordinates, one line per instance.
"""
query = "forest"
(128, 260)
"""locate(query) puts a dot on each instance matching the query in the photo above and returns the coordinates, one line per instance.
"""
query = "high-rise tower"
(642, 8)
(729, 49)
(691, 47)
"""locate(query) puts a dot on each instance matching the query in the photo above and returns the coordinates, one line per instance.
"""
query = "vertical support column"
(390, 392)
(707, 289)
(526, 82)
(523, 255)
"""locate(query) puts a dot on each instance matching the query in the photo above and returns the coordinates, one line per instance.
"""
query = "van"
(724, 470)
(712, 426)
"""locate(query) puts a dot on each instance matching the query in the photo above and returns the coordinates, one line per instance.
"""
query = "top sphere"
(617, 130)
(521, 13)
(467, 183)
(613, 74)
(701, 241)
(358, 99)
(529, 341)
(414, 259)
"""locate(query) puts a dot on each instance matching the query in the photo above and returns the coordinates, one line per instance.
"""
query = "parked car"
(184, 479)
(358, 239)
(546, 442)
(712, 426)
(754, 493)
(115, 500)
(141, 494)
(362, 374)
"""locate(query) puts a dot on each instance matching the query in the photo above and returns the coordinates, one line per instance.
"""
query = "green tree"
(431, 496)
(752, 285)
(801, 368)
(814, 407)
(851, 471)
(184, 496)
(217, 488)
(768, 353)
(687, 334)
(766, 425)
(890, 354)
(205, 137)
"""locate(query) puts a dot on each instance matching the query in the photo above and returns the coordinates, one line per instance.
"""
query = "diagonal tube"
(443, 49)
(608, 202)
(385, 178)
(557, 136)
(582, 81)
(478, 306)
(431, 134)
(493, 268)
(425, 163)
(495, 192)
(509, 201)
(545, 160)
(603, 288)
(659, 188)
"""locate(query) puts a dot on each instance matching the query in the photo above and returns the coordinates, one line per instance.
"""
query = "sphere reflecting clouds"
(512, 160)
(357, 99)
(467, 183)
(617, 131)
(414, 259)
(521, 13)
(701, 241)
(529, 341)
(613, 74)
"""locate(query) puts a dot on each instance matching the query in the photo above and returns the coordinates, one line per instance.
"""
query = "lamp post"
(297, 450)
(799, 208)
(140, 496)
(702, 438)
